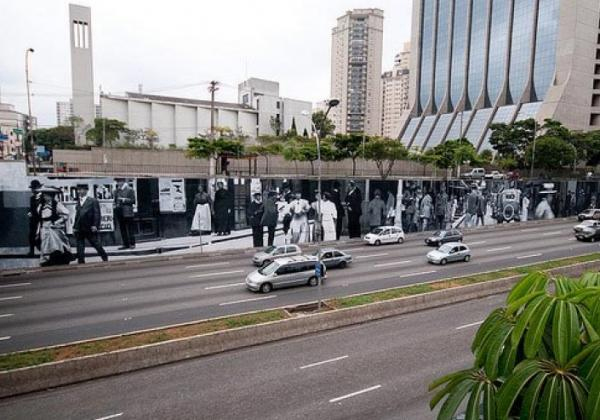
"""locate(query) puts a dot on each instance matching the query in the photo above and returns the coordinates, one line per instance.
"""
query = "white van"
(285, 272)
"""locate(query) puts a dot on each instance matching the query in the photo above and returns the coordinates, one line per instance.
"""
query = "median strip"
(132, 351)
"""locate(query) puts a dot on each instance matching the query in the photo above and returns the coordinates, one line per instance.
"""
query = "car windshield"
(270, 249)
(377, 231)
(445, 248)
(588, 223)
(269, 269)
(439, 233)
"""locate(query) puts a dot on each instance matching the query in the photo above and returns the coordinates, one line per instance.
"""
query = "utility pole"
(29, 119)
(212, 88)
(533, 150)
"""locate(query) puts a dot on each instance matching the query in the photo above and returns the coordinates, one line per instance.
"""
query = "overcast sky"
(177, 43)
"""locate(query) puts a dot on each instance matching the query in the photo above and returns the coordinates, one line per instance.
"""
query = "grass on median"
(37, 357)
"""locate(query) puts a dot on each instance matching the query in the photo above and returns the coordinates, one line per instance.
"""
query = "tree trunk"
(312, 168)
(353, 166)
(267, 164)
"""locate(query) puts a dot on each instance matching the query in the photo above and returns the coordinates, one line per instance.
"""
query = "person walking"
(270, 216)
(254, 214)
(87, 224)
(124, 202)
(34, 220)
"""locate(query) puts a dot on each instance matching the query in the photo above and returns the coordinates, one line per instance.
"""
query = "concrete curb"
(208, 255)
(50, 375)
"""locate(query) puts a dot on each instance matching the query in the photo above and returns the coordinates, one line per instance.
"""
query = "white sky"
(181, 42)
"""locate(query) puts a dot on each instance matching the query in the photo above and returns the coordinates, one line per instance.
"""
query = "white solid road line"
(392, 263)
(222, 273)
(11, 298)
(477, 243)
(529, 229)
(354, 394)
(528, 256)
(370, 256)
(247, 300)
(422, 273)
(573, 239)
(5, 338)
(324, 361)
(6, 315)
(223, 286)
(189, 267)
(474, 324)
(558, 232)
(4, 286)
(504, 248)
(112, 416)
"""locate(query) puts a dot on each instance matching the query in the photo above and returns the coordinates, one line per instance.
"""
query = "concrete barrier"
(50, 375)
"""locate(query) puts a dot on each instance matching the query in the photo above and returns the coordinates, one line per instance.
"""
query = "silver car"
(267, 256)
(334, 258)
(450, 252)
(285, 272)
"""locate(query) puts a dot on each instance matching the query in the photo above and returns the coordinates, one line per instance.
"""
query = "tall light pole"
(318, 269)
(533, 150)
(28, 51)
(212, 88)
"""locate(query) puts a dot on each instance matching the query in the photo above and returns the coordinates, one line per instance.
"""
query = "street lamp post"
(533, 149)
(29, 130)
(330, 104)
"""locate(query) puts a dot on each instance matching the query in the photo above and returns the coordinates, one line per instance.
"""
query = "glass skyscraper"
(478, 62)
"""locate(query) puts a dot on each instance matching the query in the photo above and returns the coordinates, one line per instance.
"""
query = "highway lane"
(72, 306)
(377, 370)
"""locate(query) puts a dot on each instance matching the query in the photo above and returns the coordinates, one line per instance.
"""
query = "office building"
(12, 131)
(356, 51)
(478, 62)
(276, 114)
(394, 85)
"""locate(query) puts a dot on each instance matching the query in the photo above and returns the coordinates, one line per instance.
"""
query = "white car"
(385, 235)
(271, 253)
(495, 175)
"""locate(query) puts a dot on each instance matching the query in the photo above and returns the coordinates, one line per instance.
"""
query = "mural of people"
(124, 202)
(329, 217)
(336, 199)
(87, 224)
(270, 216)
(390, 209)
(441, 208)
(34, 202)
(376, 211)
(299, 209)
(223, 208)
(425, 211)
(544, 208)
(202, 221)
(55, 248)
(254, 215)
(472, 207)
(481, 208)
(525, 208)
(354, 205)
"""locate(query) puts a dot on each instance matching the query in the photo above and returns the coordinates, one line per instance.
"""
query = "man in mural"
(354, 205)
(34, 220)
(328, 218)
(87, 224)
(425, 211)
(525, 208)
(270, 216)
(124, 202)
(376, 211)
(544, 208)
(336, 199)
(481, 209)
(222, 210)
(202, 221)
(254, 215)
(299, 209)
(409, 212)
(472, 207)
(441, 208)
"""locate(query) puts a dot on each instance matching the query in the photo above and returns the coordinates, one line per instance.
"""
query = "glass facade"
(459, 50)
(498, 48)
(410, 130)
(477, 55)
(520, 54)
(454, 132)
(442, 52)
(478, 125)
(528, 111)
(439, 130)
(426, 72)
(421, 136)
(504, 114)
(545, 47)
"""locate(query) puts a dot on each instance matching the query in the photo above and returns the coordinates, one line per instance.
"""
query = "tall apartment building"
(478, 62)
(356, 51)
(394, 85)
(64, 112)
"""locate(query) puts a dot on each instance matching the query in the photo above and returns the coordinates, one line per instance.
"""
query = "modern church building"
(478, 62)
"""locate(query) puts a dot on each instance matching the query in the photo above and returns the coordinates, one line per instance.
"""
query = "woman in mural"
(299, 209)
(202, 221)
(223, 208)
(390, 209)
(525, 208)
(328, 218)
(376, 211)
(55, 248)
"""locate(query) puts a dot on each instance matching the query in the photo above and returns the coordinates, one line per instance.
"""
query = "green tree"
(222, 147)
(275, 124)
(486, 156)
(61, 137)
(106, 131)
(538, 357)
(551, 153)
(350, 146)
(385, 153)
(453, 154)
(511, 140)
(323, 124)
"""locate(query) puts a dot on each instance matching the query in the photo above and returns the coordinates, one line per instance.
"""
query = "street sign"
(17, 131)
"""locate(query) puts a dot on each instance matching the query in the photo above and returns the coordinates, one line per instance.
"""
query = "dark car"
(591, 214)
(443, 236)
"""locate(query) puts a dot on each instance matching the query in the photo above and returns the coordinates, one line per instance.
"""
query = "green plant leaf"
(533, 282)
(537, 327)
(531, 396)
(592, 409)
(525, 317)
(510, 390)
(583, 354)
(566, 404)
(449, 378)
(495, 349)
(565, 332)
(517, 304)
(590, 369)
(472, 412)
(592, 333)
(548, 406)
(489, 402)
(451, 382)
(454, 399)
(508, 359)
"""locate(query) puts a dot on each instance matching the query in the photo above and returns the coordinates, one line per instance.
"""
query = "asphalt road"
(377, 370)
(46, 309)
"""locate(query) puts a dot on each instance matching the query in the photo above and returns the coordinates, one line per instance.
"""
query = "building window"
(596, 83)
(278, 105)
(596, 99)
(597, 70)
(245, 99)
(595, 119)
(81, 34)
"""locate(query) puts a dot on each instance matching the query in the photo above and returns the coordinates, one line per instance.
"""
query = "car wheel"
(377, 242)
(313, 281)
(343, 264)
(266, 287)
(467, 258)
(401, 240)
(266, 262)
(443, 261)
